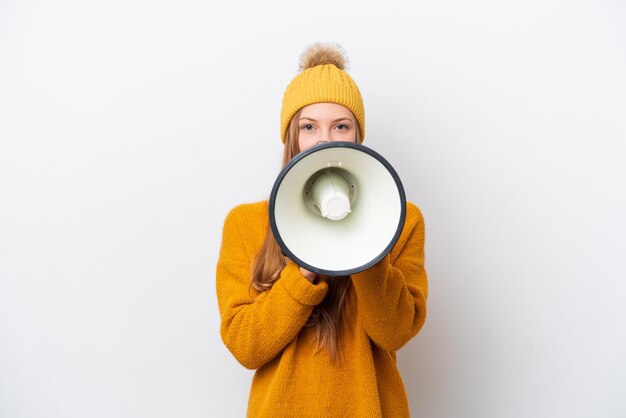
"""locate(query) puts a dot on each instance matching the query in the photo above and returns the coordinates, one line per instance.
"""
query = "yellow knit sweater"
(264, 330)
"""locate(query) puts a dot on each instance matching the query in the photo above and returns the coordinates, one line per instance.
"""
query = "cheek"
(305, 143)
(348, 136)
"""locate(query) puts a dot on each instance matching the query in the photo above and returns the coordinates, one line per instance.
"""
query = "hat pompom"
(323, 53)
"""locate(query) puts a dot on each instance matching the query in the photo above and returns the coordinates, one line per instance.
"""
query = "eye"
(307, 127)
(342, 127)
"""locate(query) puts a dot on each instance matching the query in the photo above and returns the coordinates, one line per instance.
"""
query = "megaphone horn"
(337, 208)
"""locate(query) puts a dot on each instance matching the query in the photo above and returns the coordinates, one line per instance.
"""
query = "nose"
(326, 135)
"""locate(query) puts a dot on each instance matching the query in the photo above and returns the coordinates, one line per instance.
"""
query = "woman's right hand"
(309, 275)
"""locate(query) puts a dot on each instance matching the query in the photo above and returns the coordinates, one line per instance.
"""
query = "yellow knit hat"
(322, 80)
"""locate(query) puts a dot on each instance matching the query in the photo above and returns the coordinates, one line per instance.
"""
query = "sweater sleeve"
(255, 326)
(391, 295)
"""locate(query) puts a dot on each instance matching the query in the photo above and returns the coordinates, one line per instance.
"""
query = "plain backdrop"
(129, 129)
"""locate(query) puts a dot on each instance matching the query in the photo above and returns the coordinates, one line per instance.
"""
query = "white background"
(128, 129)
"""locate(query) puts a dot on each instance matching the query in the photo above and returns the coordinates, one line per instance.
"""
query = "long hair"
(330, 316)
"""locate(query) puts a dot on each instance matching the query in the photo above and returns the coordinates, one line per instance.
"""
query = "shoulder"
(245, 227)
(247, 211)
(414, 215)
(248, 217)
(413, 231)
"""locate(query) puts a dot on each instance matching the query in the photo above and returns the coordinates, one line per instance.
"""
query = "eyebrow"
(334, 121)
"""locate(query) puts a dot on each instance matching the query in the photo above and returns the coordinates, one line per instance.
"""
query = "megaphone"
(337, 208)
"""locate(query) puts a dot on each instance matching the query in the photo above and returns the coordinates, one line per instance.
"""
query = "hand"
(309, 275)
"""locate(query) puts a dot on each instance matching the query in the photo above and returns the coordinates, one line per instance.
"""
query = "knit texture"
(264, 330)
(321, 84)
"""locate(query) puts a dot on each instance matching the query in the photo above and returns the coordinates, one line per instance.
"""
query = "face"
(324, 122)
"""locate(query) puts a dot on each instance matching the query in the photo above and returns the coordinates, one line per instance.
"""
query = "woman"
(321, 346)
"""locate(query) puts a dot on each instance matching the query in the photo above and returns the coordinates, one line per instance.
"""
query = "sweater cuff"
(300, 288)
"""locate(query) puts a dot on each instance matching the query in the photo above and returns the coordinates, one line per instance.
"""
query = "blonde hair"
(330, 316)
